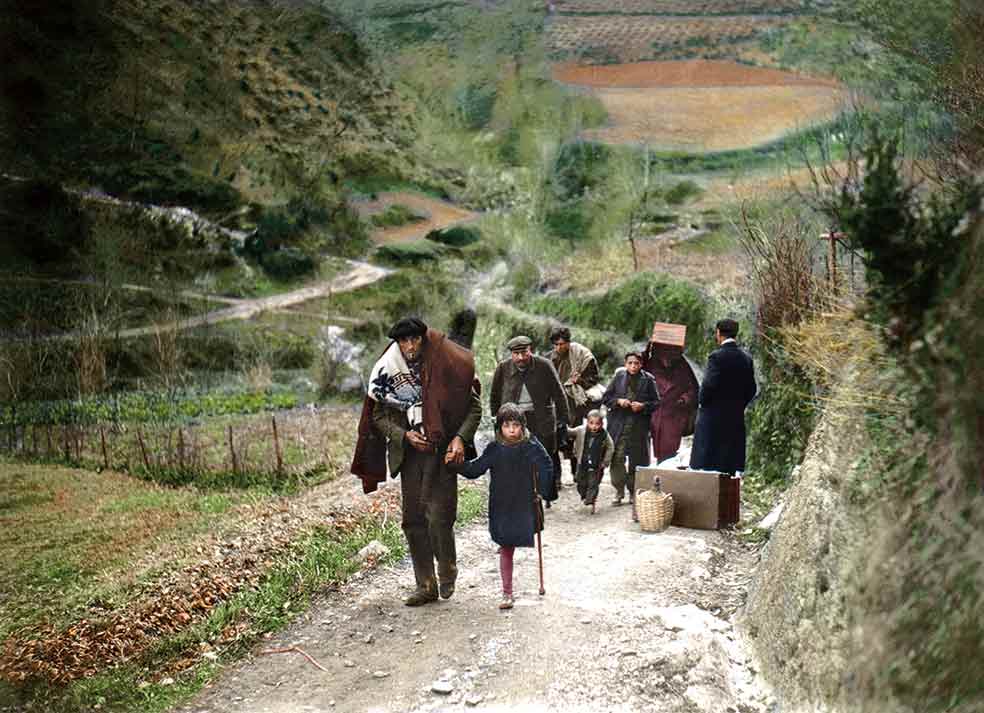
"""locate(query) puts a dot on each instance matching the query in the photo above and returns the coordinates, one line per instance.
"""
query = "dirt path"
(358, 275)
(438, 215)
(630, 622)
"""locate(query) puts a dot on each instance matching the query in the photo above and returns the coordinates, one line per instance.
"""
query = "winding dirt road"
(358, 275)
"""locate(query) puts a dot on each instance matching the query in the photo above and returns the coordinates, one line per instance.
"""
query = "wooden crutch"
(539, 518)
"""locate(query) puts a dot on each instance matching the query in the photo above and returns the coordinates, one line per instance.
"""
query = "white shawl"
(395, 384)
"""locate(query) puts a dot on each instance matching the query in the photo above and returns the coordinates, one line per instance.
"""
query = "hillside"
(206, 105)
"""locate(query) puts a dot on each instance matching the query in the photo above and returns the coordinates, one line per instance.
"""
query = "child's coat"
(512, 509)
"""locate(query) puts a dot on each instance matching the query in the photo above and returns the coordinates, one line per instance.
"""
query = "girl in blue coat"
(514, 513)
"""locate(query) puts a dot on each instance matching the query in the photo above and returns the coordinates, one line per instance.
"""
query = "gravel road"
(631, 621)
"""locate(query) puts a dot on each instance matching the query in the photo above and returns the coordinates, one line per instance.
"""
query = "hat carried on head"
(408, 327)
(519, 344)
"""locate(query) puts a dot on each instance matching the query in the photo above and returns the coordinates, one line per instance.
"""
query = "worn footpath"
(630, 622)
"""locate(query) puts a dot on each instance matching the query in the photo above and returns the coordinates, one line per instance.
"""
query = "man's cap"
(518, 344)
(408, 327)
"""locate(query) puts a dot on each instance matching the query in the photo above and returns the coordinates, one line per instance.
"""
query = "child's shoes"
(507, 602)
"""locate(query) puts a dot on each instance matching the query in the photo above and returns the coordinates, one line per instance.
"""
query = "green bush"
(568, 222)
(395, 215)
(474, 103)
(910, 253)
(145, 407)
(287, 263)
(580, 166)
(631, 308)
(167, 184)
(681, 192)
(457, 237)
(412, 253)
(780, 420)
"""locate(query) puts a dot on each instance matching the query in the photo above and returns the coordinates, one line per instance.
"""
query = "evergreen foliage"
(631, 307)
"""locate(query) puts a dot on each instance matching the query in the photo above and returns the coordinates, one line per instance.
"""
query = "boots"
(423, 595)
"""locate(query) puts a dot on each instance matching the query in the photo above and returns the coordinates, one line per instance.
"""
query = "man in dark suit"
(728, 387)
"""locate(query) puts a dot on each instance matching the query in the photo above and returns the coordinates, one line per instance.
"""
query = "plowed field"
(703, 106)
(682, 7)
(694, 73)
(712, 119)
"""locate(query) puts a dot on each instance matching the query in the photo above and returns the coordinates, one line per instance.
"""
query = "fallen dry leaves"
(186, 596)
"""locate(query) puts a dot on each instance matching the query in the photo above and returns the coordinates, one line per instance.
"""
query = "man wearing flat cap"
(423, 405)
(532, 383)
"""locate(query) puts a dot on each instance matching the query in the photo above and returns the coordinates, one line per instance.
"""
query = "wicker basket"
(655, 510)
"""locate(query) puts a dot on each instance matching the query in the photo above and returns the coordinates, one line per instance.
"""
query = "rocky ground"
(630, 621)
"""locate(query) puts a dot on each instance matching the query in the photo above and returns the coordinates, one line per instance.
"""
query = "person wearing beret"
(420, 415)
(531, 382)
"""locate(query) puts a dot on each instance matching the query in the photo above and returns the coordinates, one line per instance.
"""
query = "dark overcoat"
(513, 513)
(618, 417)
(728, 387)
(549, 399)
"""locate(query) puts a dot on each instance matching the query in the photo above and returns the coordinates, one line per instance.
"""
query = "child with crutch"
(521, 471)
(593, 450)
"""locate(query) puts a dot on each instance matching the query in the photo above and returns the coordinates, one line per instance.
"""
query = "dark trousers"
(588, 481)
(623, 478)
(430, 507)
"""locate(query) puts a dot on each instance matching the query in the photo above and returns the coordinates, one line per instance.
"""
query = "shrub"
(287, 263)
(681, 192)
(910, 251)
(631, 308)
(568, 222)
(395, 215)
(457, 237)
(474, 103)
(412, 253)
(580, 166)
(337, 362)
(167, 184)
(780, 420)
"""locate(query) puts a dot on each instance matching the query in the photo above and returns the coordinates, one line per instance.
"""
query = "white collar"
(729, 340)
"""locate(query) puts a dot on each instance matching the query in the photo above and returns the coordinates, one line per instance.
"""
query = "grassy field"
(124, 595)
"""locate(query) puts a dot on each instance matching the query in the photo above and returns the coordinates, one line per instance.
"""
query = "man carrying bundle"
(422, 406)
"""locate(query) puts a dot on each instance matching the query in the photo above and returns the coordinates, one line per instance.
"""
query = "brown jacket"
(549, 399)
(449, 409)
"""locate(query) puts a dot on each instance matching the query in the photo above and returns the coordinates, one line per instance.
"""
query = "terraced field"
(629, 38)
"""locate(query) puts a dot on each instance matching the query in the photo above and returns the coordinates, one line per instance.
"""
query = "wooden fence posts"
(276, 447)
(102, 441)
(143, 450)
(232, 451)
(192, 450)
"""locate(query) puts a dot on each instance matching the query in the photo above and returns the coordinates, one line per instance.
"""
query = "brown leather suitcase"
(729, 500)
(703, 500)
